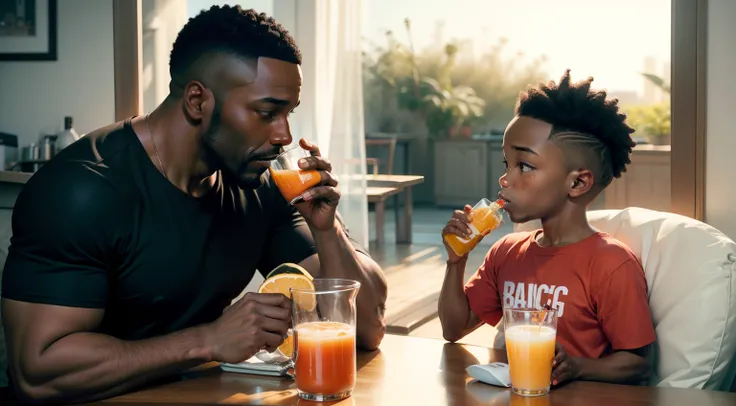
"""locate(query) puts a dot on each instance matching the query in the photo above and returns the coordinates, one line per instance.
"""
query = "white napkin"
(496, 373)
(257, 367)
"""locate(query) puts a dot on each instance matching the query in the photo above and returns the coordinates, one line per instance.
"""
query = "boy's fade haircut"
(588, 126)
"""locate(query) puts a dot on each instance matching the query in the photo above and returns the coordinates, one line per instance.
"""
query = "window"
(474, 57)
(162, 20)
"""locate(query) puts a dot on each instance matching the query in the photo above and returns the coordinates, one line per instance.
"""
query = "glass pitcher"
(324, 323)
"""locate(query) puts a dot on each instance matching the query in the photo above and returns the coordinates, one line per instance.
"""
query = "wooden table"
(410, 371)
(403, 182)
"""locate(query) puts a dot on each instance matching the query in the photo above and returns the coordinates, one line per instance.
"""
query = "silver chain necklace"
(155, 150)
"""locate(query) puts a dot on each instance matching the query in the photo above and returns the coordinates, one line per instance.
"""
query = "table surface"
(394, 180)
(410, 371)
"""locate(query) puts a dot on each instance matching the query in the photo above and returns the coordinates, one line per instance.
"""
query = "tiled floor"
(415, 272)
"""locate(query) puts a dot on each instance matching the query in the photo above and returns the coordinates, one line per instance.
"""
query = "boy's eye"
(524, 167)
(505, 163)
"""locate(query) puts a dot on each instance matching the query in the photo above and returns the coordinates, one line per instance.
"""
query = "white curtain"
(331, 112)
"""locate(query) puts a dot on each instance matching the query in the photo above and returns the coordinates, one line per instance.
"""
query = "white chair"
(690, 269)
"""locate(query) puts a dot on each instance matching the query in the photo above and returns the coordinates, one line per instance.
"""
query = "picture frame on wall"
(28, 30)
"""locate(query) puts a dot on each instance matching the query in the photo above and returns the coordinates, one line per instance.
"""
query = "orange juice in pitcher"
(324, 320)
(325, 359)
(484, 218)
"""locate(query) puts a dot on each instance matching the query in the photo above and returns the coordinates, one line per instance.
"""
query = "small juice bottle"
(484, 218)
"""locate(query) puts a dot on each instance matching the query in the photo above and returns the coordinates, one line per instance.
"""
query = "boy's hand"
(564, 367)
(458, 225)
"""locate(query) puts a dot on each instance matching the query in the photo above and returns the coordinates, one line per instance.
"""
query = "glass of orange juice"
(530, 346)
(291, 180)
(485, 217)
(324, 360)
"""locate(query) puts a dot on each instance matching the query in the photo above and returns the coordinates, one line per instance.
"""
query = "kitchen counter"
(14, 177)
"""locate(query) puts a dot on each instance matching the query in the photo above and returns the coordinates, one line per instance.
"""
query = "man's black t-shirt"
(100, 227)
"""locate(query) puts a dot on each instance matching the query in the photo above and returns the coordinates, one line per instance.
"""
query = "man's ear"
(581, 181)
(197, 101)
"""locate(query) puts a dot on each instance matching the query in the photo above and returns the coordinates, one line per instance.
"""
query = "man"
(129, 245)
(565, 145)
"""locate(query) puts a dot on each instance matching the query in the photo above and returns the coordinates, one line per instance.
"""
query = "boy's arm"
(465, 307)
(624, 315)
(454, 309)
(632, 367)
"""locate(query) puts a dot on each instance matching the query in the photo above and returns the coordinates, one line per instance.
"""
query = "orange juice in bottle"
(325, 362)
(484, 218)
(294, 182)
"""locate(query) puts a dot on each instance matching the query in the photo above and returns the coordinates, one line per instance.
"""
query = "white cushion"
(691, 274)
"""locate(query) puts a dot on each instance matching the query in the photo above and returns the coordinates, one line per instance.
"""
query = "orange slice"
(287, 347)
(282, 283)
(289, 267)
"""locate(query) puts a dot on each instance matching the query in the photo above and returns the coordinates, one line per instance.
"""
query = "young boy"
(566, 144)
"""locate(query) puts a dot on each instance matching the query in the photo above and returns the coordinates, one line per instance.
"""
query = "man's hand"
(318, 204)
(256, 321)
(564, 367)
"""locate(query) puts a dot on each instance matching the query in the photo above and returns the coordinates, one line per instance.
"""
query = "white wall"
(162, 20)
(720, 190)
(35, 96)
(263, 6)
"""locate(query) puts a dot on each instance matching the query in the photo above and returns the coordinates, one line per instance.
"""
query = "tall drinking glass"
(291, 180)
(530, 346)
(324, 323)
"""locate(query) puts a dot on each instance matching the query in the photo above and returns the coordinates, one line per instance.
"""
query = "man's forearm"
(89, 366)
(621, 367)
(338, 259)
(453, 307)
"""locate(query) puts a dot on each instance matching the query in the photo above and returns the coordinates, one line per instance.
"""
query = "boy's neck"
(569, 226)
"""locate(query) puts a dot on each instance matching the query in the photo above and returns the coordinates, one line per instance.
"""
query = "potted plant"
(652, 122)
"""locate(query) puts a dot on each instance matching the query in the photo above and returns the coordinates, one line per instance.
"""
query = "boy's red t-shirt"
(597, 285)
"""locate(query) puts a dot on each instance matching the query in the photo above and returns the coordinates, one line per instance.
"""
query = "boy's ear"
(581, 181)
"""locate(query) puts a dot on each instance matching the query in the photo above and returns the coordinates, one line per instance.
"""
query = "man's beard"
(215, 159)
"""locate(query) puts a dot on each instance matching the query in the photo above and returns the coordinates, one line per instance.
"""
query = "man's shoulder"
(76, 190)
(72, 182)
(100, 145)
(84, 171)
